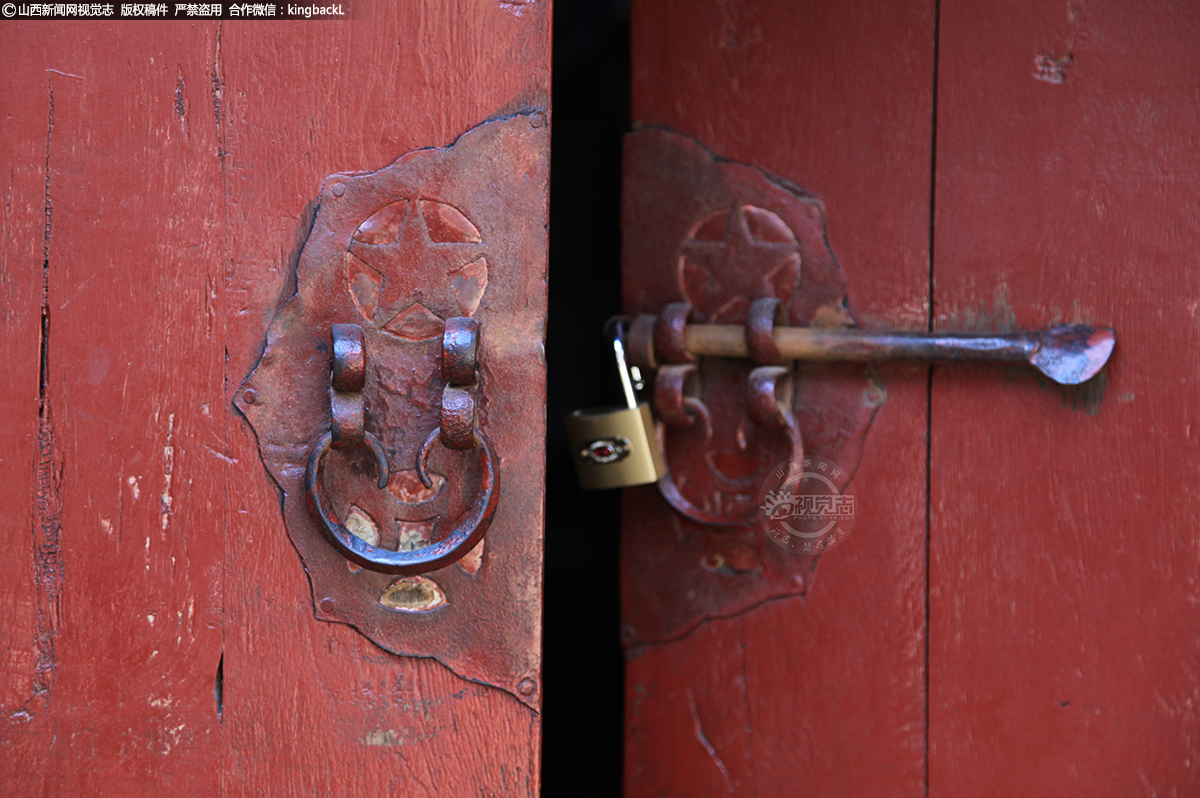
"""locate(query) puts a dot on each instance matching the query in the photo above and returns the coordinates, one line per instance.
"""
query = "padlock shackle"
(615, 329)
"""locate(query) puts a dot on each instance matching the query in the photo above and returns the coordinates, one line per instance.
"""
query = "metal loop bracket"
(669, 330)
(674, 394)
(761, 319)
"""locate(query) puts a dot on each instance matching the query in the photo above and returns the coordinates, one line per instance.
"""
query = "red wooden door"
(1014, 611)
(158, 628)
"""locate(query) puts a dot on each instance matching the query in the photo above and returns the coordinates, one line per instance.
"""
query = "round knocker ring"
(467, 532)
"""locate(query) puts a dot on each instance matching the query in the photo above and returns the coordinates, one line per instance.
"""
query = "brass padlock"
(615, 447)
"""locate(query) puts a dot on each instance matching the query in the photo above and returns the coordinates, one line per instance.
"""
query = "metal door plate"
(441, 233)
(719, 235)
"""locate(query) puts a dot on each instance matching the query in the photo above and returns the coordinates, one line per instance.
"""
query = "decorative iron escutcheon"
(708, 241)
(740, 314)
(397, 394)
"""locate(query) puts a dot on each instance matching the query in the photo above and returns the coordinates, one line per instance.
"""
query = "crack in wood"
(47, 522)
(702, 738)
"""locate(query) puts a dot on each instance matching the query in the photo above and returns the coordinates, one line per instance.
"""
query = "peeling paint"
(408, 488)
(472, 561)
(362, 526)
(1049, 69)
(516, 7)
(393, 737)
(167, 501)
(999, 318)
(413, 594)
(181, 100)
(414, 534)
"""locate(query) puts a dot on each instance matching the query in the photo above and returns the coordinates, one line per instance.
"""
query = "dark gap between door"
(583, 667)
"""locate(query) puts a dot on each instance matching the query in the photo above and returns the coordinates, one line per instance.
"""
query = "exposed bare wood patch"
(413, 594)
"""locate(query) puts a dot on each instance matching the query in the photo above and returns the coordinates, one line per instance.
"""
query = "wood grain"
(182, 164)
(1063, 574)
(340, 716)
(125, 490)
(27, 634)
(823, 694)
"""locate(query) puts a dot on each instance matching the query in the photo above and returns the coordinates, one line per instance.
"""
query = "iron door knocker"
(460, 344)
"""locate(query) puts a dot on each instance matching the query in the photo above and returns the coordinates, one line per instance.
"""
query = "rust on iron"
(761, 319)
(468, 530)
(460, 343)
(736, 265)
(668, 333)
(347, 407)
(674, 384)
(458, 418)
(749, 251)
(769, 397)
(349, 359)
(347, 425)
(639, 341)
(1068, 354)
(407, 253)
(456, 430)
(460, 346)
(675, 399)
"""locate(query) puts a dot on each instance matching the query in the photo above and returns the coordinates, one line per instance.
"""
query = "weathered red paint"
(1063, 569)
(110, 596)
(821, 694)
(1058, 622)
(169, 201)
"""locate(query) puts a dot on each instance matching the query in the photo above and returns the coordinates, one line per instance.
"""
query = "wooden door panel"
(22, 248)
(182, 166)
(1062, 563)
(821, 694)
(126, 568)
(347, 98)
